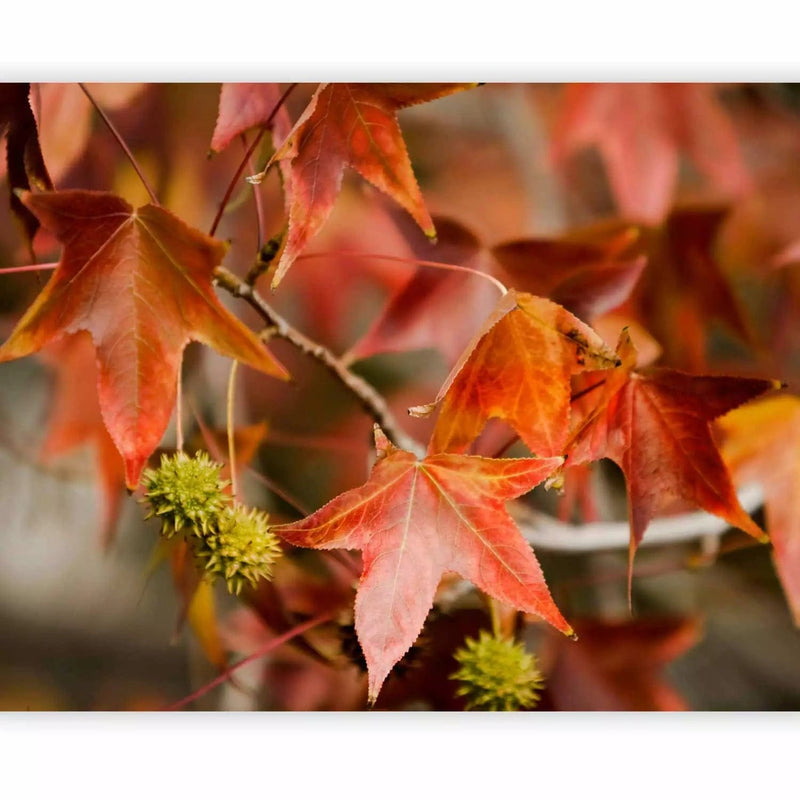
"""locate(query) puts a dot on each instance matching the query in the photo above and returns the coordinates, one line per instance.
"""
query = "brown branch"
(370, 399)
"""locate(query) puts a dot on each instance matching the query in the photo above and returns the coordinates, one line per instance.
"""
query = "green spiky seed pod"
(185, 492)
(497, 675)
(240, 548)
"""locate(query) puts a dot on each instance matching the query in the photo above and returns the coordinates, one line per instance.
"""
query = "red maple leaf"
(589, 272)
(140, 283)
(416, 519)
(618, 666)
(355, 125)
(655, 426)
(641, 131)
(684, 287)
(246, 105)
(422, 313)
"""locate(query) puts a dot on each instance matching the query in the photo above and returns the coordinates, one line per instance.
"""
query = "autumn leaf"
(75, 420)
(246, 105)
(354, 125)
(65, 117)
(761, 444)
(684, 288)
(642, 130)
(655, 426)
(618, 666)
(24, 159)
(589, 272)
(414, 520)
(422, 313)
(140, 283)
(518, 369)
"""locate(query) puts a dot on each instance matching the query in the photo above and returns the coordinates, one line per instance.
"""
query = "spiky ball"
(185, 492)
(497, 674)
(240, 548)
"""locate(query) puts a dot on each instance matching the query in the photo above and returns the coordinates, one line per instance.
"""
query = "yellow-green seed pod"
(240, 548)
(185, 492)
(497, 674)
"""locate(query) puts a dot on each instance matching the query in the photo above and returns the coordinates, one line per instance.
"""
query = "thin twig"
(116, 134)
(256, 199)
(280, 492)
(404, 260)
(179, 410)
(231, 437)
(243, 163)
(372, 402)
(272, 644)
(28, 268)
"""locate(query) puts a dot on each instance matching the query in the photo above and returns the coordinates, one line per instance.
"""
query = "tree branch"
(371, 400)
(547, 533)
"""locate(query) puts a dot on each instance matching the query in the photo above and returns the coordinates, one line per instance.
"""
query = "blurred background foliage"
(85, 625)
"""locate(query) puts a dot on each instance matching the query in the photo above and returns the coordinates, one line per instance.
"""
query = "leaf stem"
(244, 162)
(116, 134)
(403, 260)
(231, 437)
(28, 268)
(272, 644)
(179, 410)
(256, 199)
(371, 400)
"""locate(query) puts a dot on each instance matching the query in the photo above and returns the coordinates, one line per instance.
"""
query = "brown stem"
(116, 134)
(372, 402)
(243, 163)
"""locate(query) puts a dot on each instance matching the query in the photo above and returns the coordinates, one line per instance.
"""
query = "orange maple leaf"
(518, 369)
(140, 283)
(761, 443)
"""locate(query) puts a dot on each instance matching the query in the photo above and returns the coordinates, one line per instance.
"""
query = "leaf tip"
(133, 471)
